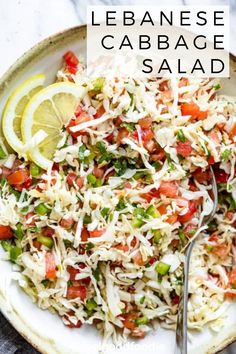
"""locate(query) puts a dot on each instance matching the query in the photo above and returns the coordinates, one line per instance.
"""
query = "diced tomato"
(133, 243)
(147, 135)
(150, 145)
(72, 325)
(162, 209)
(221, 176)
(214, 237)
(153, 193)
(171, 219)
(175, 300)
(183, 82)
(37, 244)
(96, 233)
(55, 166)
(184, 149)
(67, 223)
(232, 277)
(71, 59)
(84, 235)
(190, 213)
(98, 172)
(152, 260)
(145, 123)
(71, 178)
(189, 230)
(230, 215)
(80, 182)
(127, 185)
(138, 259)
(117, 121)
(214, 135)
(100, 112)
(163, 86)
(81, 118)
(74, 292)
(73, 272)
(221, 250)
(169, 189)
(124, 248)
(232, 133)
(18, 177)
(211, 160)
(201, 176)
(158, 155)
(193, 110)
(110, 138)
(48, 231)
(50, 266)
(129, 320)
(5, 232)
(71, 69)
(123, 133)
(175, 244)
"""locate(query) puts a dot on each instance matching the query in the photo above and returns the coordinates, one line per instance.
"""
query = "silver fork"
(182, 317)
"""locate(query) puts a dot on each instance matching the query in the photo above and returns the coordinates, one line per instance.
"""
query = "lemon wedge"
(45, 115)
(13, 110)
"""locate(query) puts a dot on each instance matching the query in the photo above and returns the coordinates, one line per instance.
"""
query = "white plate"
(42, 329)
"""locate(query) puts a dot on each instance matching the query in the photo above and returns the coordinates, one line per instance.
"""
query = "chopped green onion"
(141, 301)
(157, 165)
(182, 235)
(225, 154)
(162, 268)
(15, 252)
(45, 282)
(105, 212)
(209, 248)
(96, 274)
(46, 241)
(152, 211)
(82, 149)
(120, 166)
(157, 235)
(42, 209)
(18, 231)
(2, 153)
(3, 181)
(89, 246)
(212, 226)
(98, 182)
(6, 245)
(181, 136)
(87, 219)
(140, 213)
(91, 179)
(137, 223)
(91, 304)
(141, 320)
(121, 204)
(35, 170)
(24, 210)
(101, 146)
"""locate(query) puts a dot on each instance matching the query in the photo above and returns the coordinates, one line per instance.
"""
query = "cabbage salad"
(99, 237)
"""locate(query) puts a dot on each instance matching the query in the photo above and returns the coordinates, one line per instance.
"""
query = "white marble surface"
(25, 22)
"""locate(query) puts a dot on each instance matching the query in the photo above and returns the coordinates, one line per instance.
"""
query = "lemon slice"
(45, 114)
(13, 110)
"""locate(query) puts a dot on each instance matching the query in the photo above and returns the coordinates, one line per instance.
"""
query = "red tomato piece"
(129, 320)
(71, 69)
(5, 232)
(71, 59)
(98, 172)
(221, 176)
(169, 189)
(124, 248)
(75, 291)
(48, 231)
(123, 133)
(221, 250)
(67, 223)
(96, 233)
(71, 324)
(138, 259)
(232, 277)
(84, 235)
(100, 112)
(80, 182)
(18, 177)
(175, 300)
(71, 178)
(211, 160)
(201, 176)
(193, 110)
(190, 213)
(154, 193)
(145, 123)
(137, 333)
(80, 118)
(184, 149)
(50, 266)
(232, 133)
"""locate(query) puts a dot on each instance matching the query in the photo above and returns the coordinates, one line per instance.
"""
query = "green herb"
(120, 166)
(140, 174)
(162, 268)
(2, 153)
(19, 233)
(225, 154)
(69, 283)
(217, 86)
(209, 248)
(17, 194)
(136, 223)
(82, 150)
(15, 252)
(157, 165)
(24, 210)
(101, 146)
(231, 202)
(35, 170)
(46, 241)
(105, 212)
(3, 181)
(98, 182)
(96, 274)
(141, 301)
(141, 320)
(152, 211)
(87, 219)
(121, 204)
(42, 209)
(182, 235)
(91, 304)
(212, 226)
(181, 136)
(170, 162)
(45, 282)
(140, 213)
(89, 246)
(129, 126)
(157, 235)
(98, 83)
(91, 179)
